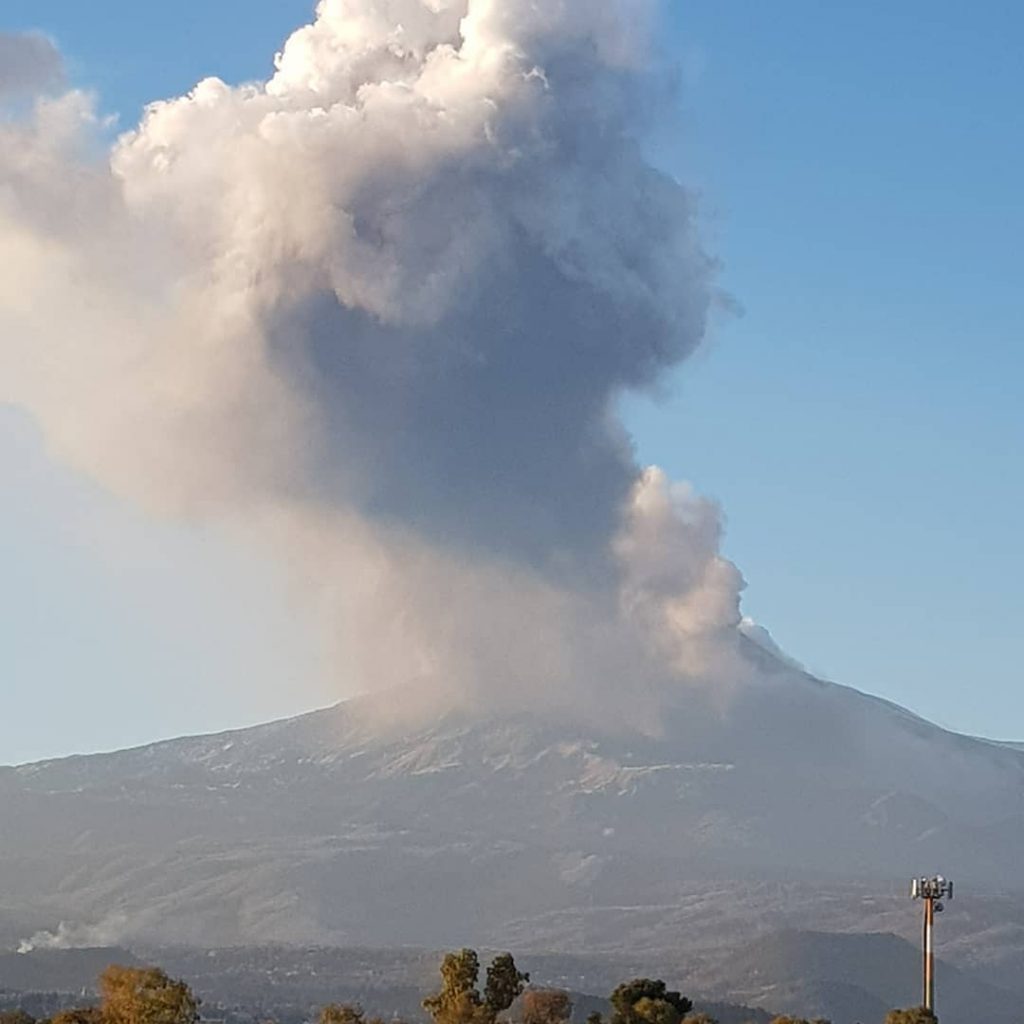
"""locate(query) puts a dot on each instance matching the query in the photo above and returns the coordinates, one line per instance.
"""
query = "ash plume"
(378, 311)
(29, 62)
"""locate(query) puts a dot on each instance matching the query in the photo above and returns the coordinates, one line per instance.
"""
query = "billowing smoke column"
(379, 310)
(29, 62)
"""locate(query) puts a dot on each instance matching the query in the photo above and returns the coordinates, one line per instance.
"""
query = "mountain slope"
(325, 828)
(847, 978)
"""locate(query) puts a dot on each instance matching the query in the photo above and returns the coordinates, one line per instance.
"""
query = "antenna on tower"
(932, 891)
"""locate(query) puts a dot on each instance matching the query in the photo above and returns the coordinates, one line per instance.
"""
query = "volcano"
(796, 803)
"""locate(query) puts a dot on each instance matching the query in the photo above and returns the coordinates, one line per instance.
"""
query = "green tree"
(546, 1006)
(145, 995)
(340, 1013)
(345, 1013)
(701, 1018)
(504, 985)
(594, 1017)
(643, 1001)
(18, 1016)
(915, 1015)
(78, 1015)
(460, 1002)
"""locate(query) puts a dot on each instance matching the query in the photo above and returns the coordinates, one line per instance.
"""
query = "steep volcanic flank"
(507, 829)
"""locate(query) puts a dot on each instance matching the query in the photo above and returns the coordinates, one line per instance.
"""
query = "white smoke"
(108, 932)
(29, 62)
(379, 310)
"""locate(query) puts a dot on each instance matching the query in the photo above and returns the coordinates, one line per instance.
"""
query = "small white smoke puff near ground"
(108, 932)
(378, 312)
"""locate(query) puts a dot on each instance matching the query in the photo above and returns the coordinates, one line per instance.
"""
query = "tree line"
(146, 995)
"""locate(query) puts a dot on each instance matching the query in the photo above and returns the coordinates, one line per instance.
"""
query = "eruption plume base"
(378, 311)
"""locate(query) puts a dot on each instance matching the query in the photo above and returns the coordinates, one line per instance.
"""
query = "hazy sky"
(860, 423)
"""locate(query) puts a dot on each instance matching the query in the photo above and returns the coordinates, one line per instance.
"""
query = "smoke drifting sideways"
(377, 312)
(108, 932)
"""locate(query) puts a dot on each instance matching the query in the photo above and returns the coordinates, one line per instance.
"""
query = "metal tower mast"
(932, 891)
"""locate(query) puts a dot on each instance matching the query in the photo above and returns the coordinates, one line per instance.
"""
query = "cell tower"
(933, 891)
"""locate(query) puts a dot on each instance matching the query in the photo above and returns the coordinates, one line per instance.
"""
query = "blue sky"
(860, 421)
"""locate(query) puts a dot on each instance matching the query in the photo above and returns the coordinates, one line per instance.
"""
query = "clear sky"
(860, 422)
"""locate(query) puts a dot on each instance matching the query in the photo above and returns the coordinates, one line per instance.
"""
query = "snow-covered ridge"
(480, 828)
